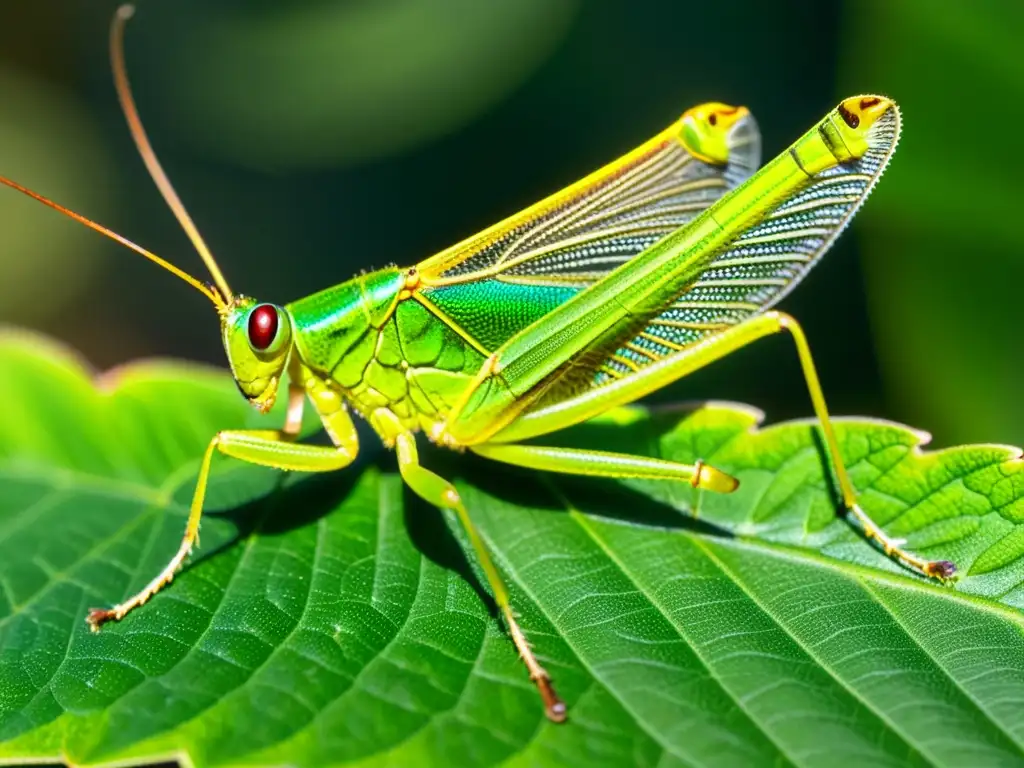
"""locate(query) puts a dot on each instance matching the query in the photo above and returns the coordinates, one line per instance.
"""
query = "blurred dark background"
(315, 138)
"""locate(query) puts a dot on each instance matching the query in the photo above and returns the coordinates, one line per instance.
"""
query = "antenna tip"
(126, 11)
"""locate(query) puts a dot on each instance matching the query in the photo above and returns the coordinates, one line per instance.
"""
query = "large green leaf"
(336, 621)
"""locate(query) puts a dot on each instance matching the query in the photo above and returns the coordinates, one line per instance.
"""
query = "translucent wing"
(762, 264)
(501, 280)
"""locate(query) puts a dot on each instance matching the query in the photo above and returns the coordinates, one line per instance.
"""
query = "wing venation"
(569, 241)
(759, 267)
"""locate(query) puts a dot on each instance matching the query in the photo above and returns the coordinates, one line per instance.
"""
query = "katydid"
(661, 262)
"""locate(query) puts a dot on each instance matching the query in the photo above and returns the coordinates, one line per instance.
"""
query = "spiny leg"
(269, 448)
(628, 389)
(439, 492)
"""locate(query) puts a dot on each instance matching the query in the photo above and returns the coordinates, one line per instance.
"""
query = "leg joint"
(452, 498)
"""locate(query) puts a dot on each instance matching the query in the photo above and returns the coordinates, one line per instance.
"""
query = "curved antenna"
(207, 291)
(156, 171)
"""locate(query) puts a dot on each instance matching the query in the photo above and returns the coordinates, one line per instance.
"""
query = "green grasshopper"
(657, 264)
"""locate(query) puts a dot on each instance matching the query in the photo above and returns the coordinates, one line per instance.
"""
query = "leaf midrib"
(655, 737)
(866, 585)
(64, 479)
(811, 654)
(581, 521)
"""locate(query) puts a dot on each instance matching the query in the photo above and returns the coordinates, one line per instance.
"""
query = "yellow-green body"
(413, 342)
(650, 268)
(653, 266)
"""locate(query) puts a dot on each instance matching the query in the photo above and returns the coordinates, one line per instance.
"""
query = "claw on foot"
(943, 570)
(554, 707)
(98, 617)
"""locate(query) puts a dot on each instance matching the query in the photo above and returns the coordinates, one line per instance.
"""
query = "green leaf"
(335, 620)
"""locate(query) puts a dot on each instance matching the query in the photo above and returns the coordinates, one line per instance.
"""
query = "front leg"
(267, 447)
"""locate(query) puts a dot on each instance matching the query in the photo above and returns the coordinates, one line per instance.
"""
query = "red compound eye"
(263, 326)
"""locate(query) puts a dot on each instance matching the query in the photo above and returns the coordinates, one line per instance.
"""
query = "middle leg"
(435, 490)
(669, 369)
(575, 461)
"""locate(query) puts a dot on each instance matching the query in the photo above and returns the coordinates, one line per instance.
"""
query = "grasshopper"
(657, 264)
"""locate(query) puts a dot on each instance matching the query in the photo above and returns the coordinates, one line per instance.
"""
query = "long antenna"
(205, 290)
(124, 94)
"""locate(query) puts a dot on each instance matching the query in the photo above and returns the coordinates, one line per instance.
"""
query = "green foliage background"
(313, 139)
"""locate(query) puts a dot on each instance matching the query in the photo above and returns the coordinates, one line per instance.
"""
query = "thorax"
(374, 342)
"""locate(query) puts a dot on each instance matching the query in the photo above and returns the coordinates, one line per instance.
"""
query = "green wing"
(493, 285)
(760, 266)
